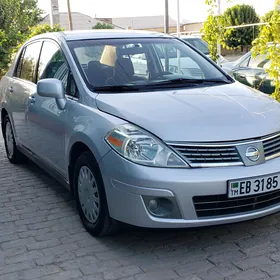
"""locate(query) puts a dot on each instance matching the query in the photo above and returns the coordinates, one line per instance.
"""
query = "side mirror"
(52, 88)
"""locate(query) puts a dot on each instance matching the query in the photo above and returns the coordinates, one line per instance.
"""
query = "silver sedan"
(113, 117)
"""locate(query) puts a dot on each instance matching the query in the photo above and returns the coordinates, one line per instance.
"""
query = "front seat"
(124, 71)
(95, 74)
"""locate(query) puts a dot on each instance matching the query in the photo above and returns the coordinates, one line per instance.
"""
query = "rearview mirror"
(52, 88)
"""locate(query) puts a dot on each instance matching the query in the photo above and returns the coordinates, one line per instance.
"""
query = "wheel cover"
(9, 139)
(88, 194)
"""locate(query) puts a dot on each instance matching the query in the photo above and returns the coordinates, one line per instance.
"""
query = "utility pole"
(166, 30)
(54, 13)
(69, 15)
(166, 17)
(219, 45)
(178, 18)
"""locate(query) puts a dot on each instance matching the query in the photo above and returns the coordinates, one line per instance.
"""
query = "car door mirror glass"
(52, 88)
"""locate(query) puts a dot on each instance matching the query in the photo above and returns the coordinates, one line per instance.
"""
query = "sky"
(190, 10)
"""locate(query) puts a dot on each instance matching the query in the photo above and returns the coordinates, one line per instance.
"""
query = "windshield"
(140, 62)
(199, 44)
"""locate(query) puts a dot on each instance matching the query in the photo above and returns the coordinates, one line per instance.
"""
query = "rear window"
(199, 44)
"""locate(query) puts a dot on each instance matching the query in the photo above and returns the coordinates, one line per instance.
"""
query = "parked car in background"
(186, 65)
(152, 148)
(201, 45)
(251, 71)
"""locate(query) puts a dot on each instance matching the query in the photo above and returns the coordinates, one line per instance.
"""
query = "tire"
(12, 152)
(98, 223)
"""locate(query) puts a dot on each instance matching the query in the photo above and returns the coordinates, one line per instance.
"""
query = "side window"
(245, 62)
(258, 61)
(72, 87)
(140, 65)
(29, 61)
(179, 62)
(19, 64)
(52, 64)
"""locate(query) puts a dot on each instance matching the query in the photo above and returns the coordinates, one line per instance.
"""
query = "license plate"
(252, 186)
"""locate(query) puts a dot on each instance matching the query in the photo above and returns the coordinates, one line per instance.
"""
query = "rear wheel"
(91, 197)
(12, 152)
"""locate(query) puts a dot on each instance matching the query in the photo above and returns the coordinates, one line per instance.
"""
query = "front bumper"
(126, 183)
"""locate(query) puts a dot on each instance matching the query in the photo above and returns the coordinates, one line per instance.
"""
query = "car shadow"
(154, 245)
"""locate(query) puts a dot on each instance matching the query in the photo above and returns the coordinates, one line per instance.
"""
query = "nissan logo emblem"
(252, 153)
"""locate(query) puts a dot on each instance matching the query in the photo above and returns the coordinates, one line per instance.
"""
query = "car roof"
(101, 34)
(190, 37)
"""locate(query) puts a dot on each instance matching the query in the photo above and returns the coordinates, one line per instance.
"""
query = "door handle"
(11, 89)
(32, 99)
(242, 76)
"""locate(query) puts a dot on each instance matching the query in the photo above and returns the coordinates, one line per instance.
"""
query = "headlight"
(140, 147)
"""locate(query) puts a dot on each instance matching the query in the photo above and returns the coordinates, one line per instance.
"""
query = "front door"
(47, 122)
(254, 75)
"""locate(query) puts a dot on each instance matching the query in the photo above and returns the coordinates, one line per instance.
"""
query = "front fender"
(90, 143)
(89, 126)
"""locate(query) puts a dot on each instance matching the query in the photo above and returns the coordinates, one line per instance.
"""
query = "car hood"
(216, 113)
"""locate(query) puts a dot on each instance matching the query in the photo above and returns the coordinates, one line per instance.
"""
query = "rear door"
(22, 87)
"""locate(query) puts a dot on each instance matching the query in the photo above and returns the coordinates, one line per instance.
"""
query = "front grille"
(271, 147)
(220, 205)
(203, 156)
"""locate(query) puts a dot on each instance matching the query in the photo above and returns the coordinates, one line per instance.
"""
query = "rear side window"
(29, 61)
(19, 65)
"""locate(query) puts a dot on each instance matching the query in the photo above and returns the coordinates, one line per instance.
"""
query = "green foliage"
(211, 30)
(268, 44)
(238, 15)
(16, 16)
(43, 28)
(33, 31)
(103, 25)
(267, 16)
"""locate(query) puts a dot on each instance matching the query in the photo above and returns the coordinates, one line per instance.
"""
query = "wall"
(197, 26)
(172, 29)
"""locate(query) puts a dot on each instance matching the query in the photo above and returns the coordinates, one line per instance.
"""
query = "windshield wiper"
(184, 81)
(179, 81)
(122, 88)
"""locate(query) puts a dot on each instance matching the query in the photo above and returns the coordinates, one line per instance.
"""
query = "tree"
(33, 31)
(19, 14)
(268, 44)
(103, 25)
(16, 17)
(267, 16)
(212, 32)
(238, 15)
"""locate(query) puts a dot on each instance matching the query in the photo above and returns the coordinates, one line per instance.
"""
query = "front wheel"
(91, 197)
(13, 154)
